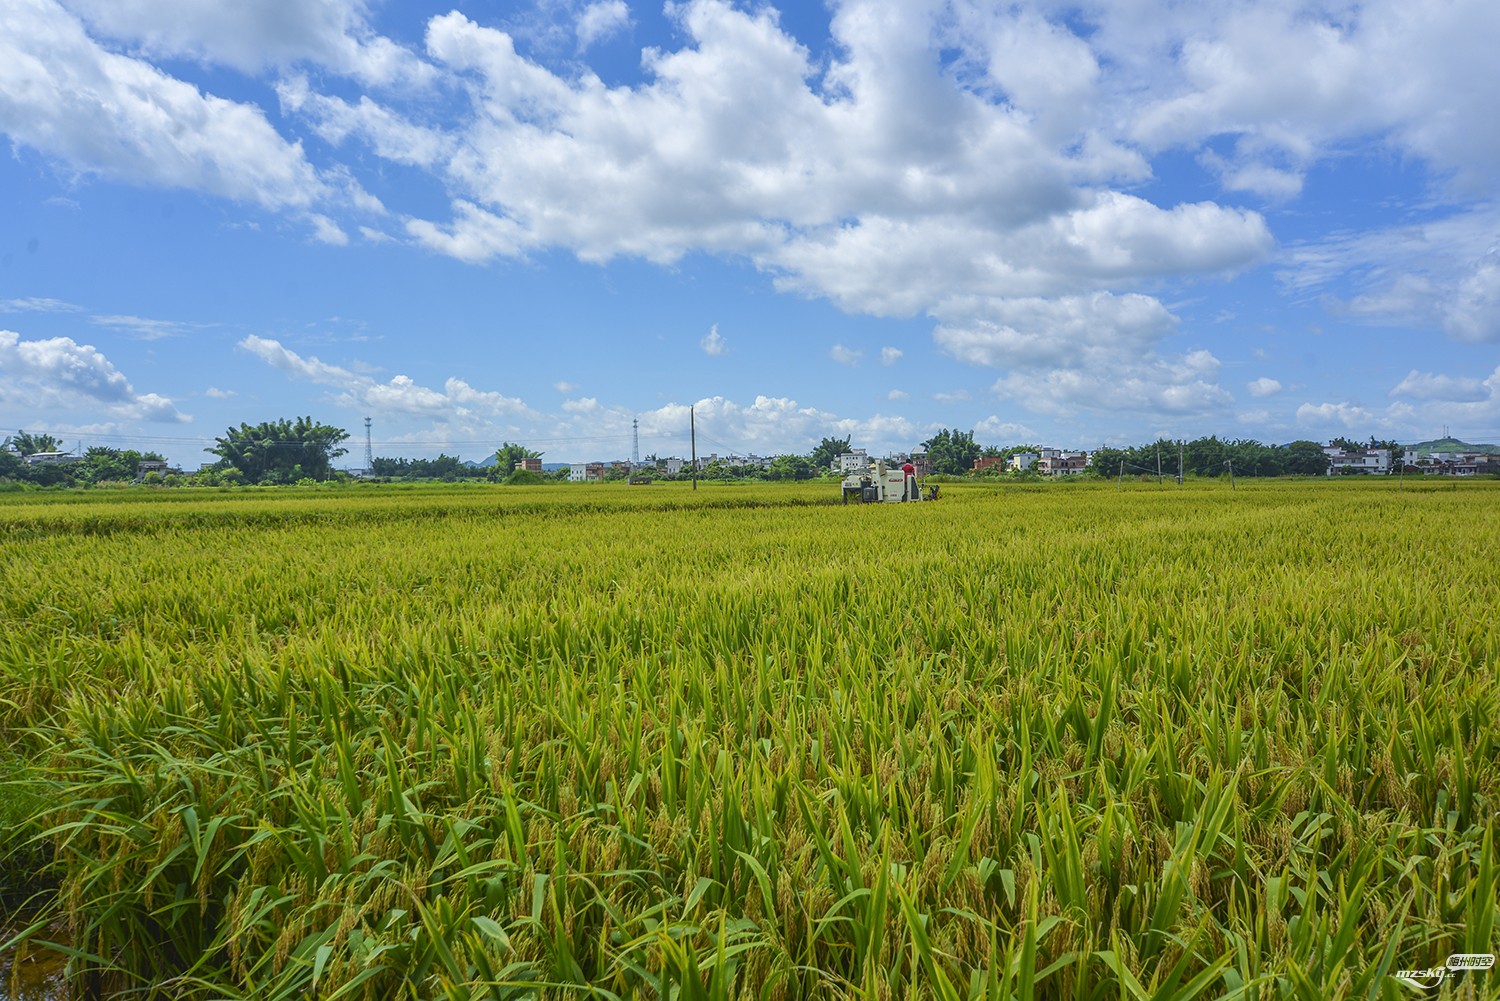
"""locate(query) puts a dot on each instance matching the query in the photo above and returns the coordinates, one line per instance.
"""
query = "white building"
(1056, 462)
(854, 460)
(1370, 461)
(1023, 460)
(49, 458)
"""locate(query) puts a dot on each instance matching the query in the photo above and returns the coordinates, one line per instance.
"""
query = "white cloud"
(885, 188)
(1183, 385)
(954, 159)
(898, 394)
(600, 20)
(1347, 416)
(713, 342)
(214, 393)
(65, 95)
(844, 355)
(325, 230)
(1031, 332)
(1263, 386)
(768, 425)
(389, 134)
(457, 402)
(993, 430)
(144, 328)
(253, 35)
(1266, 180)
(38, 305)
(1473, 314)
(1291, 83)
(889, 356)
(951, 396)
(474, 235)
(563, 386)
(58, 372)
(1432, 386)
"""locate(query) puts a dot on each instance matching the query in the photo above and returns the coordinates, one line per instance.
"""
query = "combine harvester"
(880, 485)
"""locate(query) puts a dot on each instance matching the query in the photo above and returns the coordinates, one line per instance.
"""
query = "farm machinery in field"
(881, 484)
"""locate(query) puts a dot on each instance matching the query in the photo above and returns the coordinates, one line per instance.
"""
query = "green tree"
(30, 444)
(281, 451)
(1105, 461)
(102, 464)
(1306, 458)
(790, 467)
(951, 451)
(828, 449)
(508, 454)
(1206, 456)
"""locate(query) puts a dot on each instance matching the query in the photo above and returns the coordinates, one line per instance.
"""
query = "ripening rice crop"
(1067, 741)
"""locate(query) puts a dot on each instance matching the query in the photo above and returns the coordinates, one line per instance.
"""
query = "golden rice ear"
(1040, 740)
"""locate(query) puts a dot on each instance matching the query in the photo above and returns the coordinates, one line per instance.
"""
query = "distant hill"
(1452, 445)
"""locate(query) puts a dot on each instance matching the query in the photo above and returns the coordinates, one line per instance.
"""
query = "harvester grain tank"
(882, 484)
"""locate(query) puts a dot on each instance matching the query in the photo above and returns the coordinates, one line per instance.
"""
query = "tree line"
(1213, 456)
(302, 450)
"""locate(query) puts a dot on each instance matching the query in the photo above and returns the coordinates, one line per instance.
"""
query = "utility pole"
(1179, 462)
(693, 437)
(369, 451)
(1158, 463)
(1231, 475)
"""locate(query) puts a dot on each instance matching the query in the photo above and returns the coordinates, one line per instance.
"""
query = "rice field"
(1054, 741)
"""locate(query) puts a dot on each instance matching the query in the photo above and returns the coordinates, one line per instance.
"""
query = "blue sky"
(1060, 224)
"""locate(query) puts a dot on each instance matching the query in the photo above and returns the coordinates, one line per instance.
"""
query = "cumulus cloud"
(768, 425)
(713, 342)
(889, 356)
(983, 165)
(215, 393)
(1029, 332)
(1291, 82)
(389, 134)
(1263, 386)
(600, 20)
(898, 394)
(994, 429)
(98, 111)
(1424, 402)
(733, 144)
(1440, 274)
(1346, 416)
(1183, 385)
(59, 372)
(1473, 314)
(456, 402)
(1432, 386)
(844, 355)
(253, 35)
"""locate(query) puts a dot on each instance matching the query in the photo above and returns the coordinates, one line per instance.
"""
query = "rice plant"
(1062, 742)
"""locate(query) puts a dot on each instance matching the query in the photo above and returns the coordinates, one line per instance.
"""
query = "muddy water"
(29, 974)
